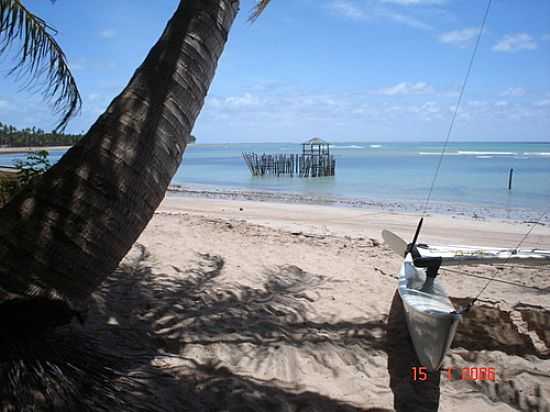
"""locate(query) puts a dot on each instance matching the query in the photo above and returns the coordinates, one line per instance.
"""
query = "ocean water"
(473, 174)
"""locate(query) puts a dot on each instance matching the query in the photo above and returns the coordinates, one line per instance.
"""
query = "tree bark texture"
(69, 229)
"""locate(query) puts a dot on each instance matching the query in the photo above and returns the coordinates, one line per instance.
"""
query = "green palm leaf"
(39, 58)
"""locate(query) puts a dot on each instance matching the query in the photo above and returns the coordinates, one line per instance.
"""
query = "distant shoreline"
(29, 149)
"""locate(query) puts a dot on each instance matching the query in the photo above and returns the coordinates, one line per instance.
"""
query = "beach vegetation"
(33, 165)
(11, 136)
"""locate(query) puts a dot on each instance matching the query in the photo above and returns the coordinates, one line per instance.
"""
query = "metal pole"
(510, 179)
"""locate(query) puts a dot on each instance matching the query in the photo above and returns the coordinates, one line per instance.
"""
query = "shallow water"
(470, 173)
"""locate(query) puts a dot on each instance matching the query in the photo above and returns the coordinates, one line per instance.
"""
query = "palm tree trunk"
(70, 228)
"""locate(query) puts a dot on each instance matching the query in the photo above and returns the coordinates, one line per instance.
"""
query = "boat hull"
(431, 317)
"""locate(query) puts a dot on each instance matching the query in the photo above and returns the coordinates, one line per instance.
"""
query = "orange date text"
(464, 374)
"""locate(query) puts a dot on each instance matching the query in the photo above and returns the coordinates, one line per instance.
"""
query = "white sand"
(291, 302)
(29, 149)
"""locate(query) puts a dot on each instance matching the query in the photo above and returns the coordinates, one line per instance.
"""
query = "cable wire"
(457, 106)
(506, 261)
(466, 308)
(507, 282)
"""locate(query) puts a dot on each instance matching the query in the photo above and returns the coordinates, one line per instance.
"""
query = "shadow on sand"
(129, 355)
(132, 353)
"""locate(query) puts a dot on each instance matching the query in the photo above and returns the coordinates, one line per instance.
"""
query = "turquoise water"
(471, 173)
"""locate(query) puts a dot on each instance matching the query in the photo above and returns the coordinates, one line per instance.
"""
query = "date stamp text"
(453, 374)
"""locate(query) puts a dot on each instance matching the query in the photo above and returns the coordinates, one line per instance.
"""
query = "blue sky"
(345, 70)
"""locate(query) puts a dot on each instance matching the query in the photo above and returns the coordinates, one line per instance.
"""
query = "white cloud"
(405, 88)
(477, 103)
(515, 42)
(291, 110)
(358, 11)
(246, 100)
(542, 103)
(427, 108)
(459, 38)
(405, 19)
(3, 104)
(347, 9)
(415, 2)
(514, 91)
(107, 33)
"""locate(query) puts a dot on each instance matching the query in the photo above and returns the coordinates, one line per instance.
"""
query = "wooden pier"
(315, 161)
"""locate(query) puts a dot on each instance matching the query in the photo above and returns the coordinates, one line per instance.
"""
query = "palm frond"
(39, 58)
(258, 10)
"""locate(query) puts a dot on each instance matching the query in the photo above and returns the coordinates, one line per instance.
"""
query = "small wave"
(468, 152)
(375, 146)
(484, 157)
(537, 153)
(437, 154)
(521, 157)
(351, 146)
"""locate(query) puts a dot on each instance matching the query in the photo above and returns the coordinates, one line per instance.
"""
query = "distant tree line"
(13, 137)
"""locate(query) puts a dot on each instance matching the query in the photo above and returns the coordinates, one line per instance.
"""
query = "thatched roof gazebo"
(316, 147)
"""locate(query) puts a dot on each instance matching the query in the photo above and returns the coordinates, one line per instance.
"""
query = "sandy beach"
(17, 150)
(417, 208)
(263, 306)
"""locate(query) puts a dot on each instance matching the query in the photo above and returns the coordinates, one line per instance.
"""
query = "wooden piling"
(510, 179)
(303, 165)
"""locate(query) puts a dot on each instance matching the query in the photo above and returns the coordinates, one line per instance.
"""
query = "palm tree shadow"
(132, 353)
(114, 361)
(188, 307)
(213, 386)
(154, 317)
